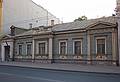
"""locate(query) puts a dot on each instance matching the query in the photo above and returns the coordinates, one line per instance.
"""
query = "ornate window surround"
(37, 46)
(105, 43)
(26, 48)
(66, 45)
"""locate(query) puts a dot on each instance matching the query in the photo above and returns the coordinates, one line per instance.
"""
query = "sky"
(68, 10)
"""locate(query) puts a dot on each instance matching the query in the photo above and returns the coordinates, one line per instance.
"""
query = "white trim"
(74, 45)
(66, 45)
(37, 46)
(105, 43)
(26, 48)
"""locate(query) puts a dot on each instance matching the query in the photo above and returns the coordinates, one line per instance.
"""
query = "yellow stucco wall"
(0, 15)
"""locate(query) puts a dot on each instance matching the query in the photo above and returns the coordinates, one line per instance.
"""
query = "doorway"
(7, 53)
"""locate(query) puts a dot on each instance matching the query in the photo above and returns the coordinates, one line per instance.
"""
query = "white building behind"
(25, 13)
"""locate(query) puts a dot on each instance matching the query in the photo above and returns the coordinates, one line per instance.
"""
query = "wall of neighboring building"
(0, 15)
(0, 52)
(22, 13)
(118, 15)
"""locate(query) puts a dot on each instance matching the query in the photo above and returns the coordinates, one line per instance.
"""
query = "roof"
(36, 30)
(18, 28)
(70, 26)
(83, 24)
(1, 35)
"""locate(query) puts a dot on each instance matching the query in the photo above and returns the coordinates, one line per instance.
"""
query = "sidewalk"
(67, 67)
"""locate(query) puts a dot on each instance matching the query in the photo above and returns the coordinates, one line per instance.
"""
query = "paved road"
(18, 74)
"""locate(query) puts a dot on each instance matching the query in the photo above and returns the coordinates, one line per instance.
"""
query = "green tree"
(81, 18)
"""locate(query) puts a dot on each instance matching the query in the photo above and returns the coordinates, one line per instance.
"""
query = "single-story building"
(91, 41)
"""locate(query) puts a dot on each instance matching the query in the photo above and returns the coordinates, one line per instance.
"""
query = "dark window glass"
(41, 48)
(101, 46)
(63, 48)
(29, 49)
(20, 49)
(77, 47)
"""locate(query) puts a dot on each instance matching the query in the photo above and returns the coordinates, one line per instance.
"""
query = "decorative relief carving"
(41, 57)
(101, 57)
(77, 57)
(63, 57)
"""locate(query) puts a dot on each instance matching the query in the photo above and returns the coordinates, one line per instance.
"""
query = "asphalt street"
(20, 74)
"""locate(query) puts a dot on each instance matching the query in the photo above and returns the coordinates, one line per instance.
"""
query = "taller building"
(25, 13)
(0, 15)
(118, 16)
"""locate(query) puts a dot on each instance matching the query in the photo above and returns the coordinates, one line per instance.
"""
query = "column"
(88, 55)
(2, 52)
(33, 50)
(50, 48)
(114, 45)
(11, 50)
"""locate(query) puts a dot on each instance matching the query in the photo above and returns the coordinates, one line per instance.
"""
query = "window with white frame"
(77, 47)
(42, 48)
(62, 47)
(29, 49)
(101, 45)
(20, 50)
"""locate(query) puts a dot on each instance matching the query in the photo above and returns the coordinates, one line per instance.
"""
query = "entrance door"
(7, 53)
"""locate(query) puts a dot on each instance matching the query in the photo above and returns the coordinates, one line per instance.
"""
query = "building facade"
(88, 42)
(25, 14)
(0, 15)
(118, 16)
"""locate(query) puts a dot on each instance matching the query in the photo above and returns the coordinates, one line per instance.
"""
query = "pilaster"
(50, 48)
(114, 44)
(89, 48)
(33, 49)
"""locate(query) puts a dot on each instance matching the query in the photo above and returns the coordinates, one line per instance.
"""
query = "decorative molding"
(66, 45)
(77, 57)
(63, 57)
(105, 43)
(99, 57)
(37, 46)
